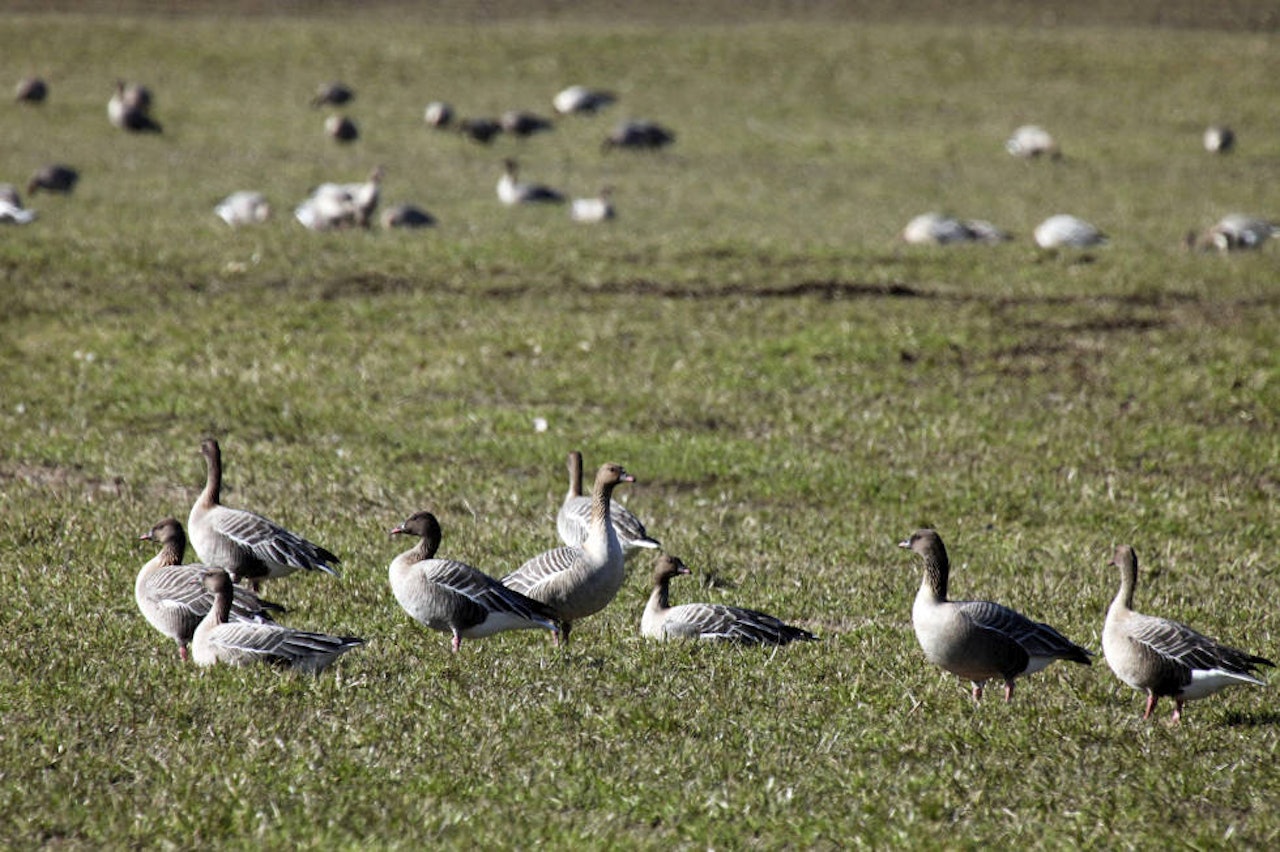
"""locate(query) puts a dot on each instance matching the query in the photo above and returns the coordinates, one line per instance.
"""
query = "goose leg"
(1008, 691)
(1177, 710)
(977, 690)
(1151, 705)
(456, 642)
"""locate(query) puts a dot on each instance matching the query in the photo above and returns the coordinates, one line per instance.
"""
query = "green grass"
(794, 391)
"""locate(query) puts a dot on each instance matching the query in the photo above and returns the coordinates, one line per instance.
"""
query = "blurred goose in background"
(940, 230)
(217, 639)
(243, 208)
(520, 123)
(591, 210)
(333, 93)
(438, 114)
(341, 128)
(248, 545)
(708, 621)
(172, 596)
(1065, 231)
(511, 191)
(978, 640)
(31, 90)
(580, 99)
(406, 216)
(11, 210)
(480, 130)
(341, 205)
(130, 109)
(573, 521)
(1164, 657)
(452, 597)
(53, 178)
(1219, 139)
(1031, 142)
(1235, 232)
(638, 135)
(579, 581)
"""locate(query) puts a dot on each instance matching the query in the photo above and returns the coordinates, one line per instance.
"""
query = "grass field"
(794, 391)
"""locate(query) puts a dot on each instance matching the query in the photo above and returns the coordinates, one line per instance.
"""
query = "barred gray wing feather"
(272, 543)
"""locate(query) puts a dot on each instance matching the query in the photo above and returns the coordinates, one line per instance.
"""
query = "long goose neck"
(936, 572)
(171, 552)
(601, 497)
(221, 611)
(426, 547)
(575, 474)
(660, 597)
(1128, 583)
(212, 494)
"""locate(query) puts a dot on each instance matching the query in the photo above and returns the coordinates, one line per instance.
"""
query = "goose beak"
(146, 536)
(397, 530)
(626, 477)
(905, 545)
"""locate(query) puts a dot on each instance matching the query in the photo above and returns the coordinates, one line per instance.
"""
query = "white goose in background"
(1164, 657)
(1236, 232)
(575, 582)
(593, 210)
(243, 208)
(573, 520)
(580, 99)
(172, 596)
(219, 640)
(453, 597)
(438, 114)
(1031, 142)
(248, 545)
(1066, 231)
(1218, 139)
(941, 230)
(11, 210)
(339, 205)
(512, 192)
(978, 640)
(708, 621)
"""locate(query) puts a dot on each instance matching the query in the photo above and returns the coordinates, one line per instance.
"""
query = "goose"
(243, 208)
(1031, 142)
(480, 130)
(452, 597)
(406, 216)
(708, 621)
(581, 580)
(219, 640)
(332, 94)
(580, 99)
(511, 192)
(11, 210)
(1065, 231)
(31, 90)
(1219, 139)
(53, 178)
(341, 128)
(438, 114)
(938, 229)
(573, 521)
(520, 123)
(1236, 232)
(592, 210)
(248, 545)
(130, 109)
(340, 205)
(635, 134)
(1165, 657)
(978, 640)
(172, 596)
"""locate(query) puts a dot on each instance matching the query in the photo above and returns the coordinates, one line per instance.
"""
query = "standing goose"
(1166, 657)
(579, 581)
(172, 596)
(218, 640)
(130, 109)
(978, 640)
(1066, 231)
(573, 521)
(248, 545)
(453, 597)
(708, 621)
(511, 192)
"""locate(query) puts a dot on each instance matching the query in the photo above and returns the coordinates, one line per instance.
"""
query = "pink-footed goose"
(11, 210)
(248, 545)
(573, 521)
(512, 192)
(172, 596)
(341, 128)
(708, 621)
(1218, 139)
(243, 208)
(219, 640)
(940, 230)
(54, 177)
(130, 109)
(1032, 142)
(593, 210)
(332, 94)
(581, 100)
(978, 640)
(453, 597)
(638, 134)
(521, 124)
(31, 90)
(1235, 232)
(438, 114)
(1164, 657)
(579, 581)
(1067, 231)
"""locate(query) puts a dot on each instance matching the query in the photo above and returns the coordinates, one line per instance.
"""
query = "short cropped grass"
(794, 391)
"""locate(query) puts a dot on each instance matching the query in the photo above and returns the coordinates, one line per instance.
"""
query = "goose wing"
(271, 543)
(541, 568)
(1179, 645)
(731, 623)
(481, 589)
(1036, 638)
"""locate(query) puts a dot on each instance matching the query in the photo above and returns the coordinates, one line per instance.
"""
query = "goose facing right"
(978, 640)
(130, 109)
(709, 621)
(573, 520)
(453, 597)
(1165, 657)
(248, 545)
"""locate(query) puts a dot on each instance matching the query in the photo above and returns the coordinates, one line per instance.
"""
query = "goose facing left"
(130, 109)
(511, 191)
(243, 208)
(453, 597)
(709, 621)
(978, 640)
(172, 596)
(248, 545)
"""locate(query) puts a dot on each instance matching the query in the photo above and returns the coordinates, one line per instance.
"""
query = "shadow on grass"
(1252, 720)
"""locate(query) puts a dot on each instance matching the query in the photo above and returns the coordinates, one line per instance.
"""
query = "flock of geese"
(335, 206)
(213, 612)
